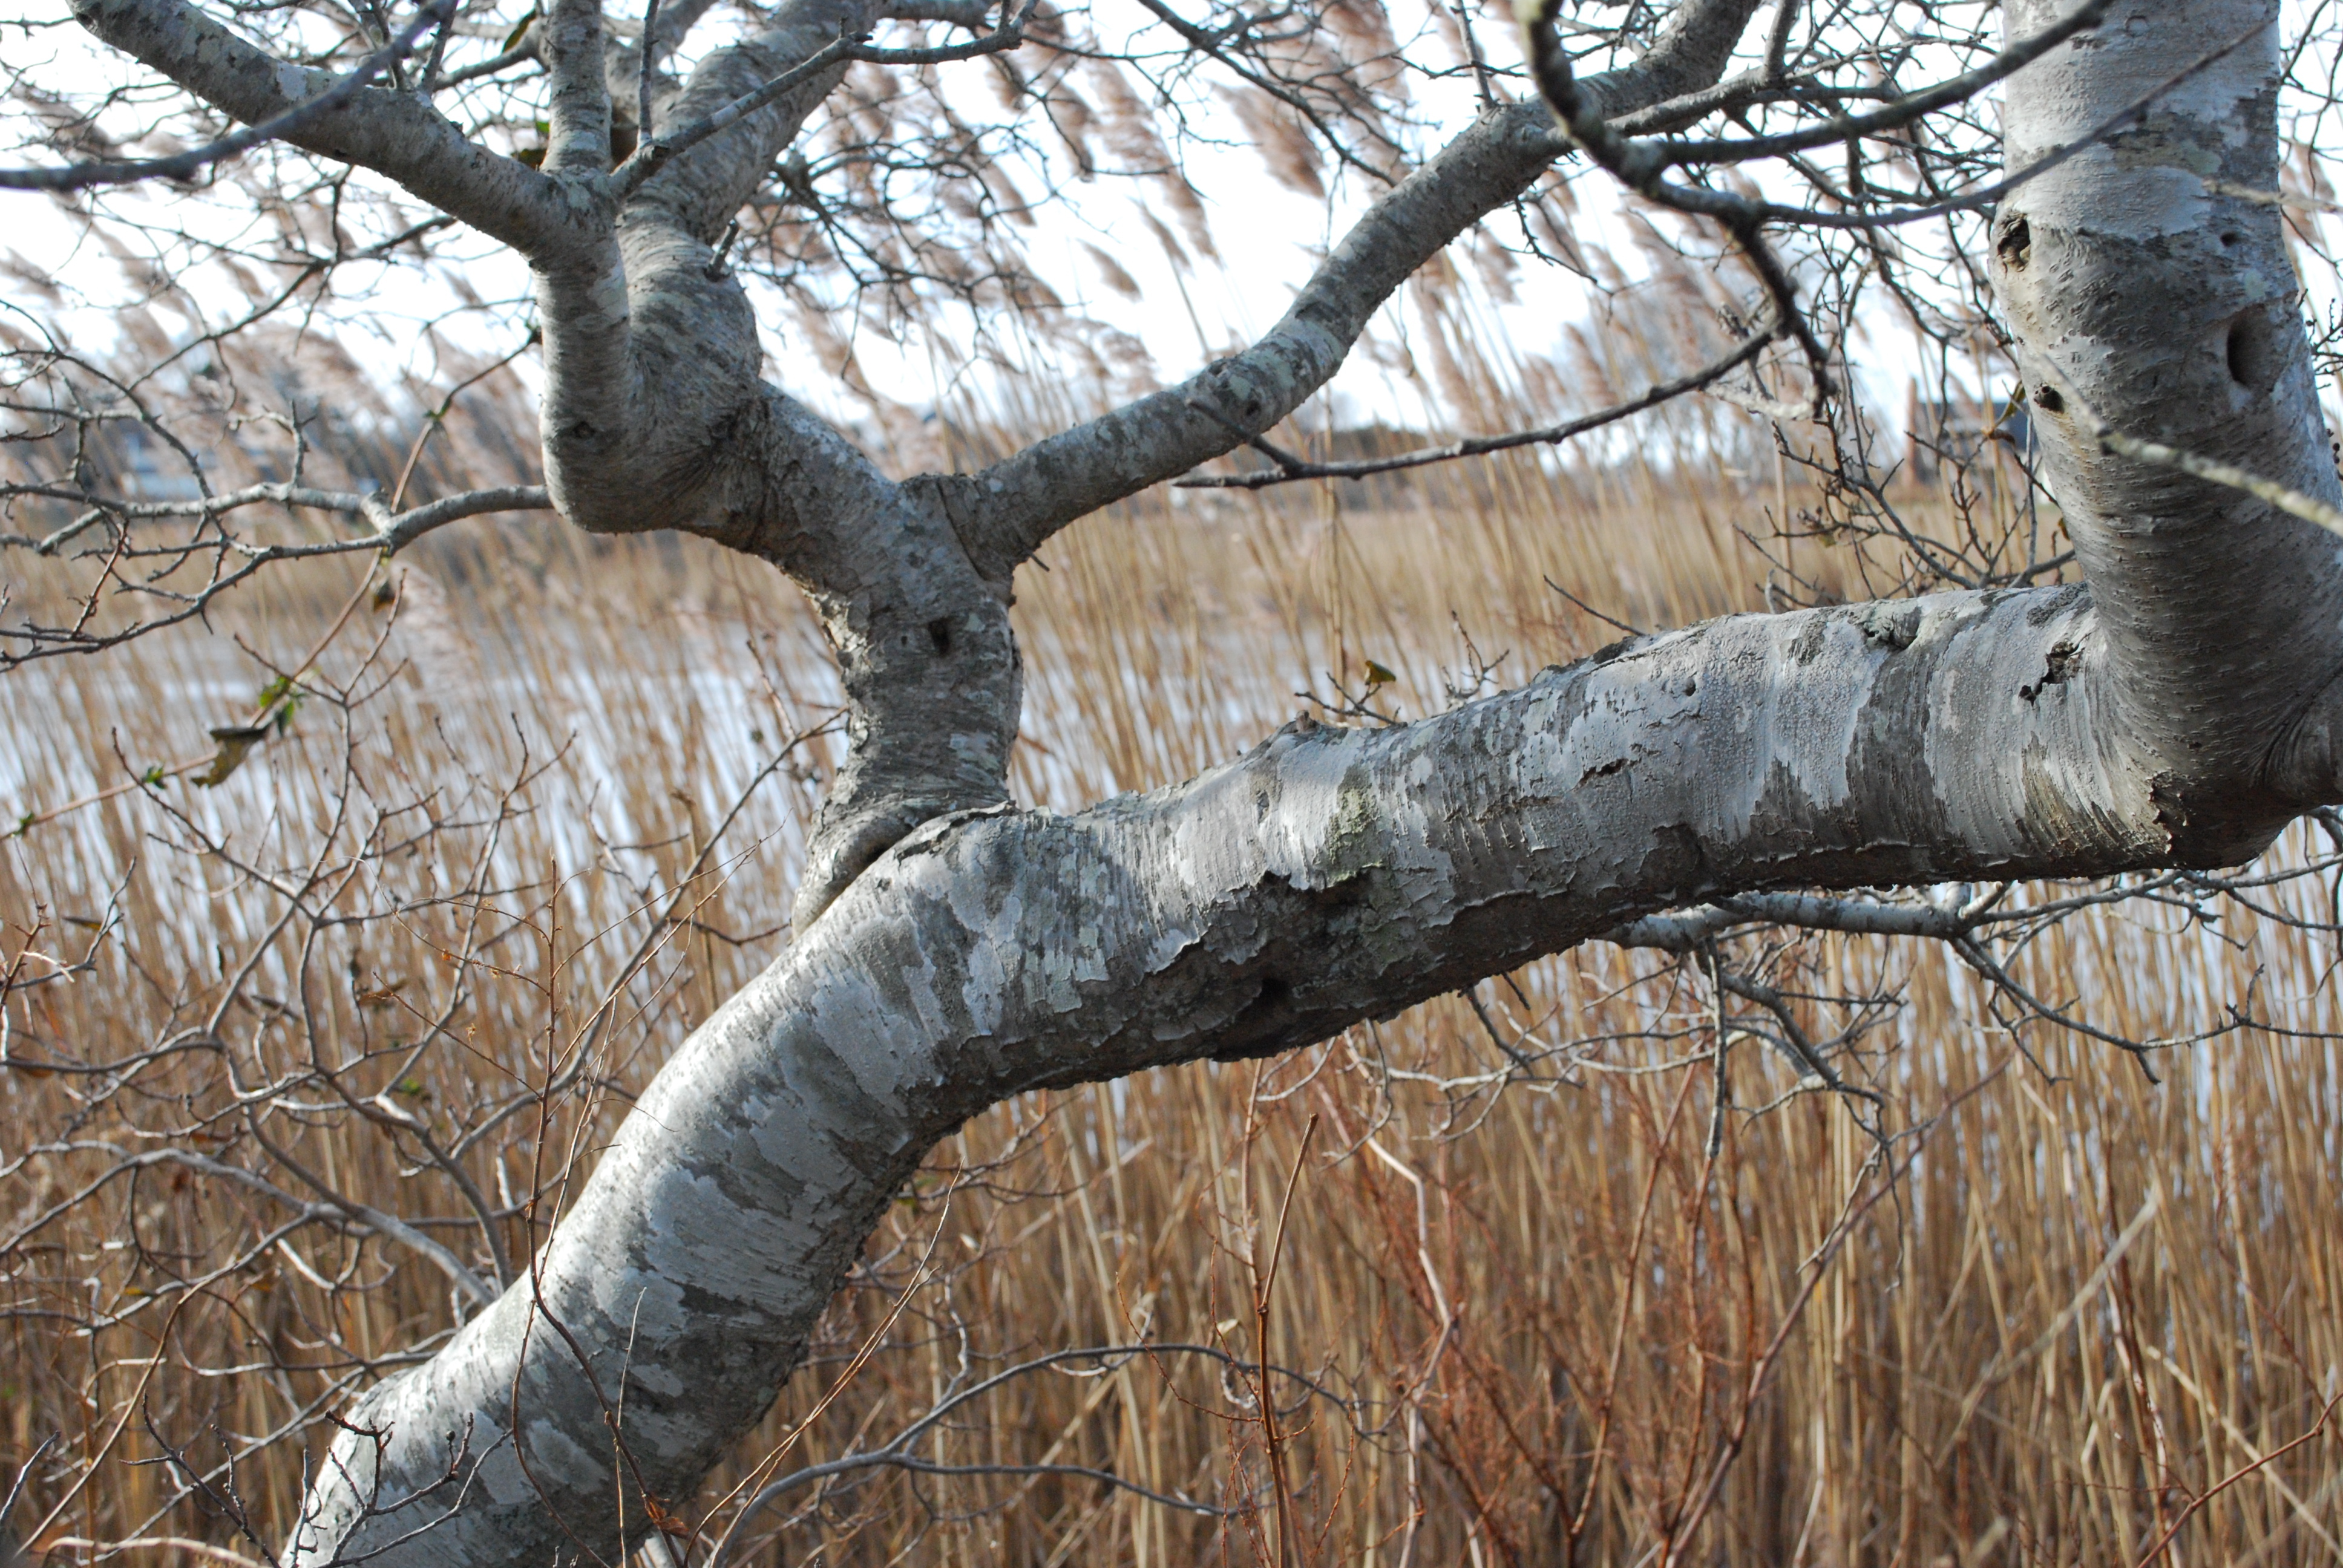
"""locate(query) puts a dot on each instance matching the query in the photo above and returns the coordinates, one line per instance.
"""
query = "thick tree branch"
(1326, 877)
(1006, 512)
(395, 134)
(656, 417)
(2294, 503)
(2213, 359)
(2164, 716)
(179, 166)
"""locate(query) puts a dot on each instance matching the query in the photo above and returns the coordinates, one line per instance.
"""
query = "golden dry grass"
(1548, 1320)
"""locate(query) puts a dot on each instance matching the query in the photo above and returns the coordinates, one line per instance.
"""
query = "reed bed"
(1509, 1319)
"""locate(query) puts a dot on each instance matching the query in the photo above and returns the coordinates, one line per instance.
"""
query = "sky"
(1268, 235)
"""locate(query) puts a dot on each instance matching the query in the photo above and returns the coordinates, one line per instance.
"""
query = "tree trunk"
(2176, 314)
(2158, 718)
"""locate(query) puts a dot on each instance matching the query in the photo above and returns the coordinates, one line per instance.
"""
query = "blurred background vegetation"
(526, 805)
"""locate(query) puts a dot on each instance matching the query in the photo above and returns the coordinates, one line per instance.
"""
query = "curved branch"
(404, 527)
(1327, 876)
(81, 177)
(1289, 470)
(1009, 510)
(395, 134)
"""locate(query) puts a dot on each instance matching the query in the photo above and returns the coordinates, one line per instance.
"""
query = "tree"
(952, 950)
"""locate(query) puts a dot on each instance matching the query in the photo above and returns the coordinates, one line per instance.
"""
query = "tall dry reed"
(1513, 1320)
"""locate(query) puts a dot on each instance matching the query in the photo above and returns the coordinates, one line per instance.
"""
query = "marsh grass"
(1538, 1320)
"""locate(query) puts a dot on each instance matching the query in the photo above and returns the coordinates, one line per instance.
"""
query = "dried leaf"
(235, 740)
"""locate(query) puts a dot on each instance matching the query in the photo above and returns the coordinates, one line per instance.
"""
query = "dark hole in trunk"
(2016, 244)
(2252, 351)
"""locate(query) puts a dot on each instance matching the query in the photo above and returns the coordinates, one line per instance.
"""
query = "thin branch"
(645, 76)
(1988, 196)
(518, 53)
(1900, 113)
(654, 155)
(894, 1452)
(182, 166)
(1291, 469)
(1641, 163)
(393, 531)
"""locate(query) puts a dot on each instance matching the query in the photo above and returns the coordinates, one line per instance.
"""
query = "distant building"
(146, 467)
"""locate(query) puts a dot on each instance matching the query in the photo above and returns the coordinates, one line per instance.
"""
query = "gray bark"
(954, 950)
(1010, 509)
(656, 415)
(397, 134)
(1329, 875)
(2176, 314)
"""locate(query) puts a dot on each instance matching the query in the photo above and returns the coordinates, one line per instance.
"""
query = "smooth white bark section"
(1327, 876)
(2174, 313)
(2132, 191)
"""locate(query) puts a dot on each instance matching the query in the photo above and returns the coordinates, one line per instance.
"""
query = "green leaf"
(278, 702)
(521, 31)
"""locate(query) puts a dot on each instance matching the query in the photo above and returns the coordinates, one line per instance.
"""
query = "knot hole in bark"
(2057, 667)
(1257, 1022)
(2252, 350)
(2016, 244)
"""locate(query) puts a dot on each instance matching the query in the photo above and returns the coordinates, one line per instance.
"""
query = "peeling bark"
(954, 950)
(1328, 876)
(2175, 313)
